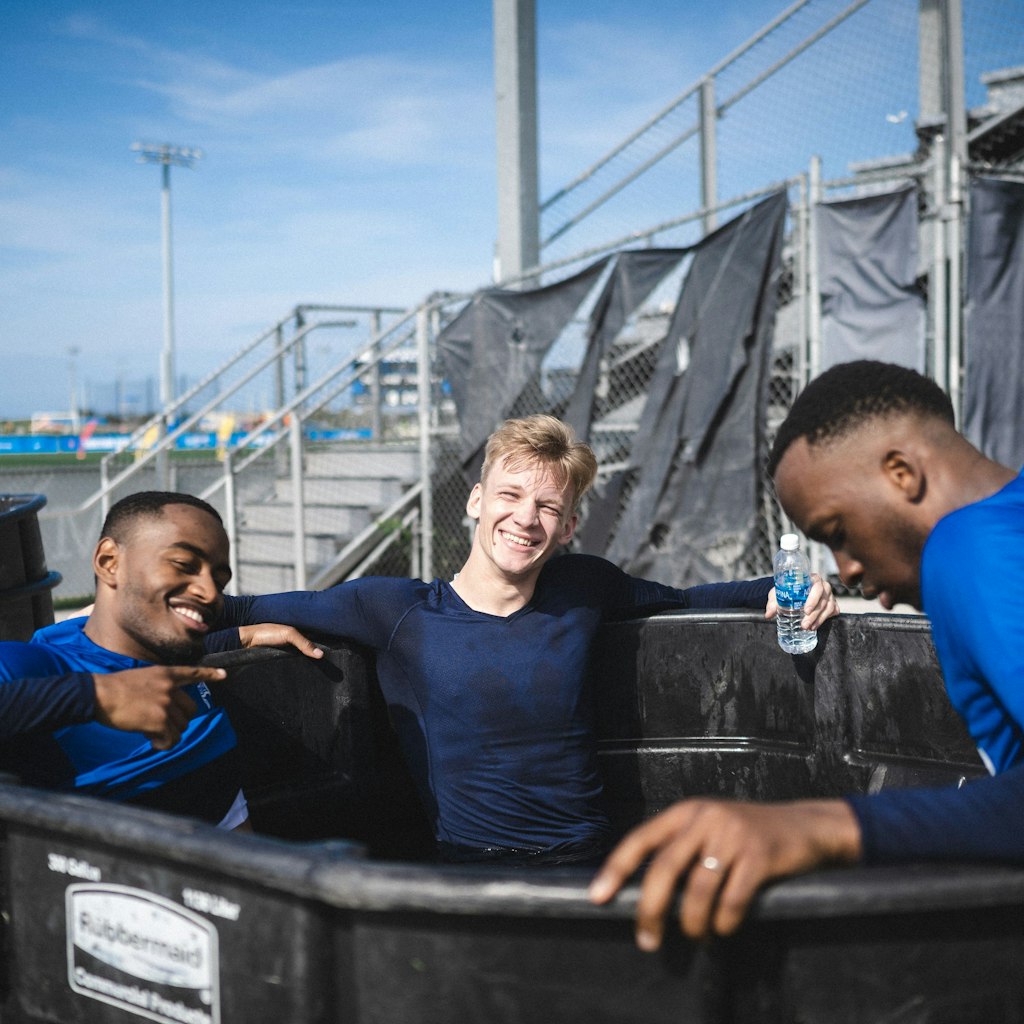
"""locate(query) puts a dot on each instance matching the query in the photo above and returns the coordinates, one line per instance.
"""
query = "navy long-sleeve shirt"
(494, 713)
(43, 705)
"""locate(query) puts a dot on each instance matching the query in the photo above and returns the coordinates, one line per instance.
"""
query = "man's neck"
(99, 630)
(970, 478)
(492, 594)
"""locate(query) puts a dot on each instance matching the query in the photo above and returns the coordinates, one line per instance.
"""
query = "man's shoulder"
(63, 647)
(589, 573)
(992, 525)
(19, 660)
(576, 564)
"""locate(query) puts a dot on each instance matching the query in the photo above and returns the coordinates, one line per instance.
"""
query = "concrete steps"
(343, 490)
(324, 520)
(374, 492)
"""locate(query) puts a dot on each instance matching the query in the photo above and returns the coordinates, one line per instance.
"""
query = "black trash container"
(26, 603)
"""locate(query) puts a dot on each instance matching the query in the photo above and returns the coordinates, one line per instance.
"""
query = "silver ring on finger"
(711, 863)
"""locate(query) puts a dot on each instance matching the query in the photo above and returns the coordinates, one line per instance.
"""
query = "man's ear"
(105, 562)
(569, 529)
(473, 501)
(906, 473)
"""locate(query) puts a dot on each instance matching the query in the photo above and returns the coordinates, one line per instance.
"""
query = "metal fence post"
(104, 489)
(298, 498)
(938, 291)
(813, 356)
(231, 521)
(954, 245)
(279, 390)
(375, 395)
(708, 154)
(424, 401)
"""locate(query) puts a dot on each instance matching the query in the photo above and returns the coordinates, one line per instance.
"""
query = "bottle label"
(791, 589)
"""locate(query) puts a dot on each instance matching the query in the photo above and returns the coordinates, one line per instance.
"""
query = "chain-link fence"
(832, 99)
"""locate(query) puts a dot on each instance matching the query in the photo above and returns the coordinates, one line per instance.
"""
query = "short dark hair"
(847, 394)
(125, 512)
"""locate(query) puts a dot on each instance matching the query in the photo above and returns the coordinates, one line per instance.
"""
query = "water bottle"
(792, 584)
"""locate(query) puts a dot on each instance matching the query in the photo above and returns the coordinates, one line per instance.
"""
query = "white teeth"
(518, 540)
(189, 613)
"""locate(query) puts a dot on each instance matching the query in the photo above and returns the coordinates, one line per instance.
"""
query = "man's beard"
(177, 652)
(168, 650)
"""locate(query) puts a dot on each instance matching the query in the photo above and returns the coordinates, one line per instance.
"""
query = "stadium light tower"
(180, 156)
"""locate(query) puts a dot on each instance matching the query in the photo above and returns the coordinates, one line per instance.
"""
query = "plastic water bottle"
(792, 585)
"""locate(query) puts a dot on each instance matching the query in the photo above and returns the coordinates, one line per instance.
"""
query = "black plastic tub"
(333, 914)
(26, 603)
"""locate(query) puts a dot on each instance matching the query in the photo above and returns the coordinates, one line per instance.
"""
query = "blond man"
(485, 674)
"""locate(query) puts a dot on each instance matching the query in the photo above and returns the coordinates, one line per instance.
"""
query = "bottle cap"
(789, 542)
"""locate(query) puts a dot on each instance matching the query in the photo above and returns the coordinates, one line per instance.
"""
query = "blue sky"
(349, 157)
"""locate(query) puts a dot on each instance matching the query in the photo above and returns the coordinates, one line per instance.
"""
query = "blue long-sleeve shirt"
(972, 589)
(494, 713)
(42, 705)
(52, 740)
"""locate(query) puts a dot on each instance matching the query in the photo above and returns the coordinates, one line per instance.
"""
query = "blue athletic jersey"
(494, 714)
(972, 589)
(96, 759)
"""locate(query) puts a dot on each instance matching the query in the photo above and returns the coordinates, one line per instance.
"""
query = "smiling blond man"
(485, 675)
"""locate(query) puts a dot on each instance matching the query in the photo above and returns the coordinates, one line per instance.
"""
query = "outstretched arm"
(725, 851)
(147, 700)
(45, 703)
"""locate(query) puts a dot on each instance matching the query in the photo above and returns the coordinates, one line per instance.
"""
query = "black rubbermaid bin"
(26, 603)
(311, 932)
(114, 914)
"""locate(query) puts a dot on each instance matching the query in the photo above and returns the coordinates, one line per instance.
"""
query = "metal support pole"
(515, 74)
(298, 499)
(167, 389)
(813, 351)
(375, 395)
(279, 367)
(424, 401)
(956, 111)
(801, 266)
(279, 396)
(954, 246)
(299, 351)
(231, 522)
(182, 156)
(104, 489)
(416, 549)
(938, 290)
(708, 154)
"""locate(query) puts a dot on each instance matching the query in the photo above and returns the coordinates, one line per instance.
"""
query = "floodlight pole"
(181, 156)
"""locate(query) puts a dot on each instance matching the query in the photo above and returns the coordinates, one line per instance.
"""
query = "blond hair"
(548, 441)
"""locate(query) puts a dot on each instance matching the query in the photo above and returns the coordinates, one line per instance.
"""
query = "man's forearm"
(979, 820)
(45, 704)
